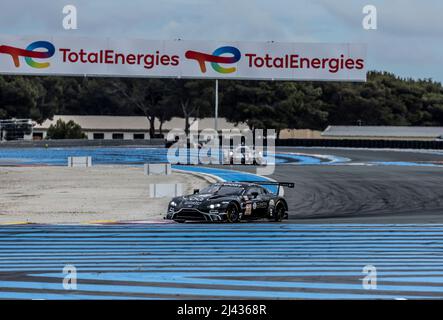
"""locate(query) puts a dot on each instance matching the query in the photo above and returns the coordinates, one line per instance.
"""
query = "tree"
(274, 105)
(384, 99)
(248, 101)
(49, 97)
(33, 98)
(302, 107)
(65, 130)
(91, 96)
(146, 95)
(192, 97)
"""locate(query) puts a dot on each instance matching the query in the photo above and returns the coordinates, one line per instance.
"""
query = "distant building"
(125, 128)
(300, 134)
(383, 132)
(137, 127)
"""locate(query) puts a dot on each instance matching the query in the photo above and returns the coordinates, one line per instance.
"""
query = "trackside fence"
(351, 143)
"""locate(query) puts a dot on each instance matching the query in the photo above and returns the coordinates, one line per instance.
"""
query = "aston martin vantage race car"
(231, 202)
(243, 155)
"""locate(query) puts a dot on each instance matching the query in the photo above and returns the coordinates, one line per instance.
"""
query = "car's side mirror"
(254, 194)
(196, 191)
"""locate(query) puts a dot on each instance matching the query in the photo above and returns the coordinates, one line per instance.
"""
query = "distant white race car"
(243, 155)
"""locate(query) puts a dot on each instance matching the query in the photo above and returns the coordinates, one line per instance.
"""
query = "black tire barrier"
(357, 143)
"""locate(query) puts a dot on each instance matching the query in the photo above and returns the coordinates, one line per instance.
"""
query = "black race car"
(230, 202)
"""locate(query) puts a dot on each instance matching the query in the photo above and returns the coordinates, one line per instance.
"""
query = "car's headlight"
(213, 206)
(173, 204)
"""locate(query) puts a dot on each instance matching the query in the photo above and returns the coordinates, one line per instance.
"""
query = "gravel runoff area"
(79, 195)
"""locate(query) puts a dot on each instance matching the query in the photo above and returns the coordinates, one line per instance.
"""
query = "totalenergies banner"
(75, 56)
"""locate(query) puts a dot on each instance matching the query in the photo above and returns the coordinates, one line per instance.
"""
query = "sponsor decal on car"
(248, 209)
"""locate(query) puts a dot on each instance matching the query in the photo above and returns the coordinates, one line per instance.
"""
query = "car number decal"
(248, 209)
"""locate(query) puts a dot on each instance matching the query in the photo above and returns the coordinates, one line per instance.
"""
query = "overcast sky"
(408, 41)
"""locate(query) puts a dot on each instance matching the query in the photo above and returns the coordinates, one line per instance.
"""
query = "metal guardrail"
(345, 143)
(15, 129)
(357, 143)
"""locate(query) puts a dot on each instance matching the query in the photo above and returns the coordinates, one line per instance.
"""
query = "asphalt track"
(374, 186)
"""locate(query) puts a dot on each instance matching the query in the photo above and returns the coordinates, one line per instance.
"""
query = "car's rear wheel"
(233, 214)
(279, 212)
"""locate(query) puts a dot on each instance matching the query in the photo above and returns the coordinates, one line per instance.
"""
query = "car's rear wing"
(278, 184)
(273, 183)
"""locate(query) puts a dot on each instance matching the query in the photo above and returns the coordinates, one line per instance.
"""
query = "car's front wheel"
(233, 214)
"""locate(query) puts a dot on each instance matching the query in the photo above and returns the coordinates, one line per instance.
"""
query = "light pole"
(216, 106)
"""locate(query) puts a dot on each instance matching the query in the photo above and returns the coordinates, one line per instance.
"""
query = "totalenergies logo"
(29, 54)
(216, 58)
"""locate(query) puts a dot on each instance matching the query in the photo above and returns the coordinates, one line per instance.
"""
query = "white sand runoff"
(80, 195)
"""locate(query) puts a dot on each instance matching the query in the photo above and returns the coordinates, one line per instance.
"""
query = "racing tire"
(279, 212)
(233, 214)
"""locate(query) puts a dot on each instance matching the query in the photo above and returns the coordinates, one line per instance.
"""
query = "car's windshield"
(222, 190)
(228, 190)
(210, 189)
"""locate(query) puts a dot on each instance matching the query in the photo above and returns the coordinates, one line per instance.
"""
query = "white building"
(126, 127)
